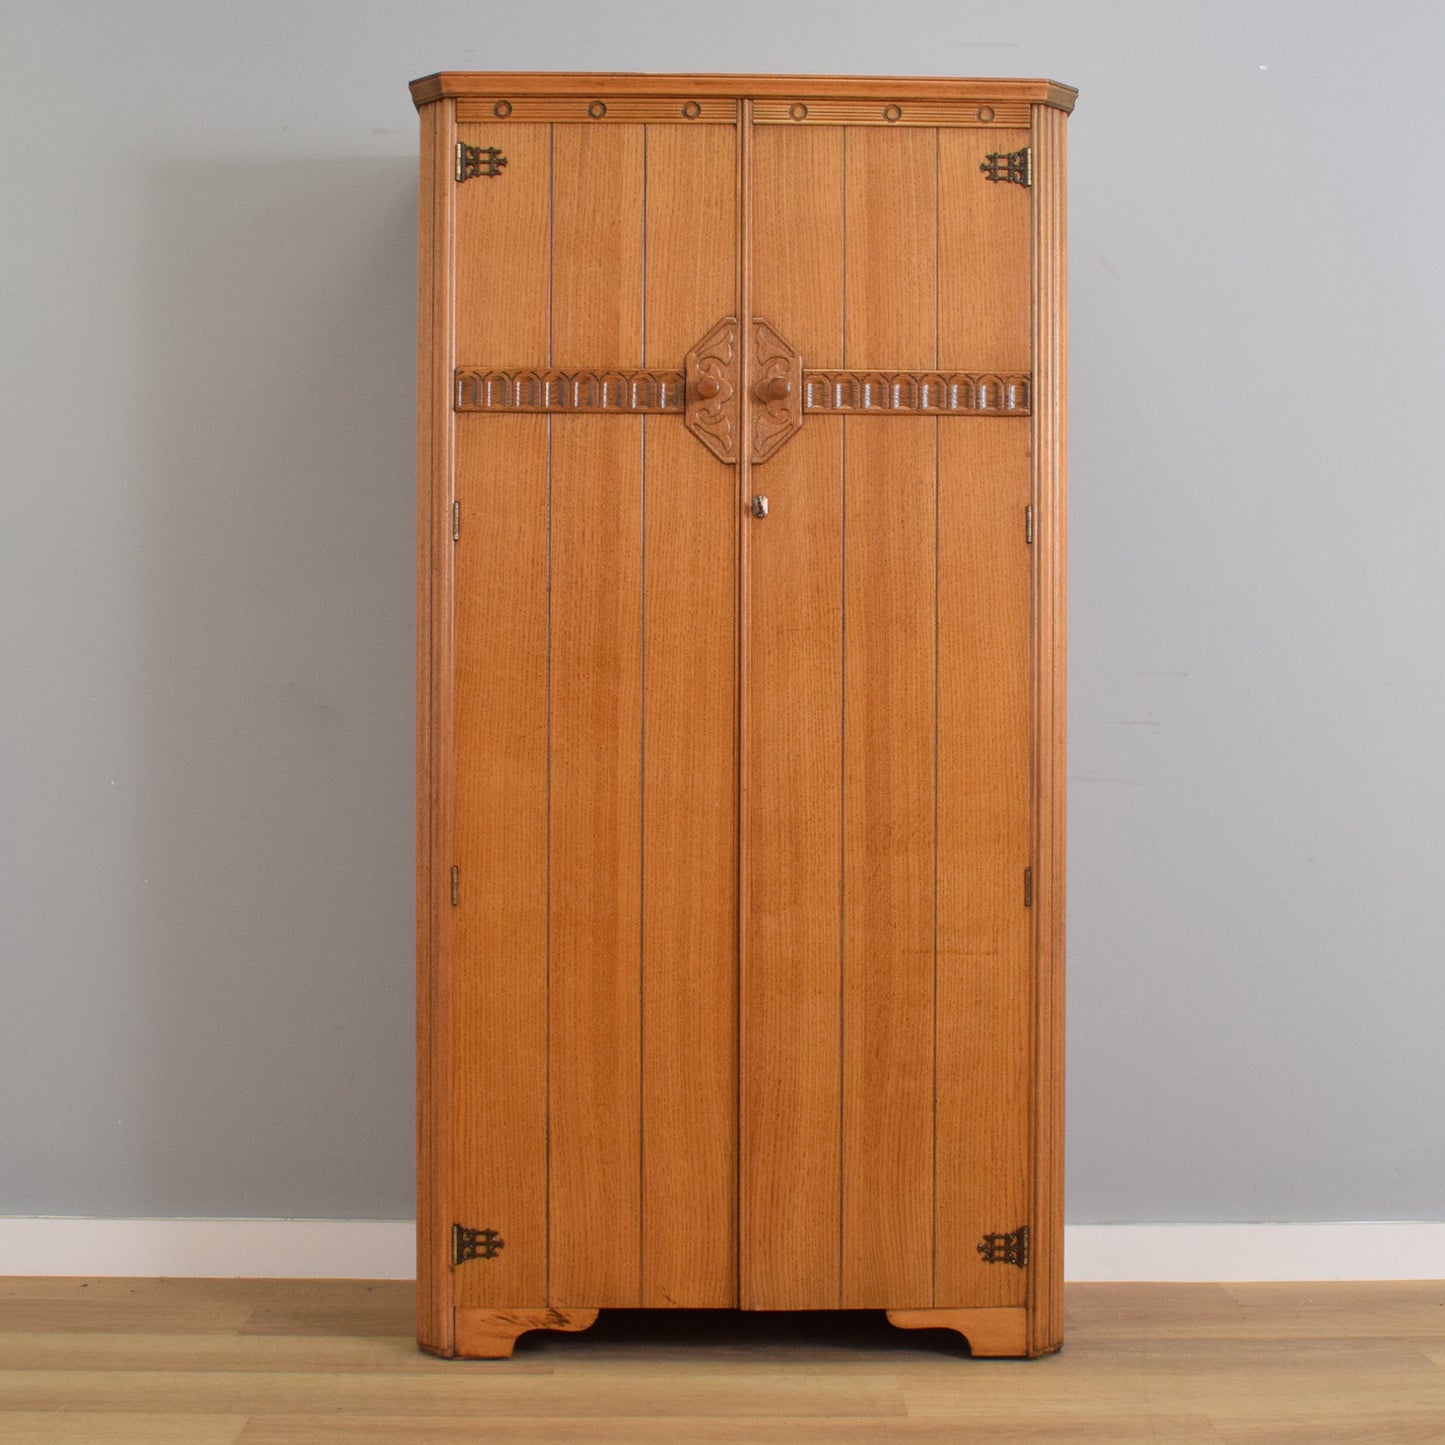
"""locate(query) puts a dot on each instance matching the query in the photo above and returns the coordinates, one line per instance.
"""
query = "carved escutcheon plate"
(710, 370)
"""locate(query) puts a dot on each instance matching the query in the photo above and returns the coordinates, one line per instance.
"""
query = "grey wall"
(207, 243)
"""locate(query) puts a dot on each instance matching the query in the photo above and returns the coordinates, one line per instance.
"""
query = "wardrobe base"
(485, 1334)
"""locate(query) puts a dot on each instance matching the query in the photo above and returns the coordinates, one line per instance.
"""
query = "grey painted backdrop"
(208, 236)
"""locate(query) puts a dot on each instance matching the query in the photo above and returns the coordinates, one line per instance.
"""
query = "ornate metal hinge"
(475, 1244)
(1015, 166)
(1006, 1248)
(478, 161)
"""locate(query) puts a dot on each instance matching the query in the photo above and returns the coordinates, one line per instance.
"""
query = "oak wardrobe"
(740, 701)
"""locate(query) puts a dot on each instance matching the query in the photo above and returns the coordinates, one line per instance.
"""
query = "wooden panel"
(596, 784)
(983, 727)
(500, 756)
(989, 89)
(793, 701)
(501, 111)
(689, 981)
(983, 248)
(435, 308)
(888, 111)
(1050, 463)
(502, 262)
(798, 242)
(888, 730)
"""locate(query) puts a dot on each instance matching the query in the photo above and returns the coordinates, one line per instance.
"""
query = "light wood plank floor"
(312, 1362)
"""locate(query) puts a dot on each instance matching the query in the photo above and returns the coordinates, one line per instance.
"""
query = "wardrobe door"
(886, 981)
(594, 645)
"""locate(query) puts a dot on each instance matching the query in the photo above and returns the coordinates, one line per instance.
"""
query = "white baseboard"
(383, 1249)
(1239, 1252)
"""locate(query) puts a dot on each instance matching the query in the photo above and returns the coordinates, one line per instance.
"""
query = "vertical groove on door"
(789, 1207)
(984, 687)
(596, 729)
(499, 1061)
(888, 754)
(689, 1180)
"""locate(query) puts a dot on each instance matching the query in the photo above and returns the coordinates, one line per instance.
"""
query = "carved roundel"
(597, 110)
(798, 110)
(502, 109)
(692, 110)
(892, 113)
(985, 113)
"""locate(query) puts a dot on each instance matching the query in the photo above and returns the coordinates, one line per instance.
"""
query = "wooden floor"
(310, 1362)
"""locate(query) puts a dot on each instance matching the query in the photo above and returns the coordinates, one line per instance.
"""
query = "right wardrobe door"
(886, 994)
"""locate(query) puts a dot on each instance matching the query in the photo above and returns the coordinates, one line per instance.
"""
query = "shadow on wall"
(276, 486)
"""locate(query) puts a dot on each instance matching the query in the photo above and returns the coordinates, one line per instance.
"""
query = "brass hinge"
(1029, 524)
(475, 1244)
(1015, 166)
(456, 885)
(1006, 1248)
(478, 161)
(1028, 887)
(456, 521)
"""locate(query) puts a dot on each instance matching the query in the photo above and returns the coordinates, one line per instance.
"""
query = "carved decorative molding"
(534, 390)
(711, 372)
(886, 111)
(932, 393)
(777, 378)
(628, 109)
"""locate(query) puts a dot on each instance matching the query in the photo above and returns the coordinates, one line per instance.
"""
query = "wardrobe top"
(447, 84)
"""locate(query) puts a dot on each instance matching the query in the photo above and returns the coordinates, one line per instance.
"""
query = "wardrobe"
(740, 768)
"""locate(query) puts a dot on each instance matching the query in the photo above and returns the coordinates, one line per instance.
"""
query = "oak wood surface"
(889, 555)
(435, 469)
(462, 83)
(690, 818)
(790, 1097)
(203, 1362)
(499, 979)
(1050, 492)
(983, 962)
(594, 1194)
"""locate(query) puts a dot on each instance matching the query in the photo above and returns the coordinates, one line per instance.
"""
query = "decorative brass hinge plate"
(475, 1244)
(475, 161)
(1006, 1248)
(1014, 166)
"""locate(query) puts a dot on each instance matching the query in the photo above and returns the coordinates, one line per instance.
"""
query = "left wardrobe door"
(593, 947)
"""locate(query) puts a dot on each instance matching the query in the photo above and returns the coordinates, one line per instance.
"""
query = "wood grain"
(596, 778)
(464, 83)
(991, 1333)
(1050, 488)
(499, 1067)
(889, 557)
(790, 989)
(1304, 1362)
(434, 470)
(984, 965)
(690, 821)
(492, 1334)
